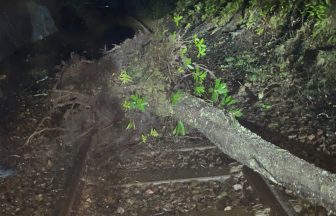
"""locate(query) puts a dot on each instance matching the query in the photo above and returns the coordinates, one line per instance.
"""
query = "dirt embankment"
(279, 61)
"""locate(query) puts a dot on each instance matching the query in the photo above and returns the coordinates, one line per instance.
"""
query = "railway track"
(181, 177)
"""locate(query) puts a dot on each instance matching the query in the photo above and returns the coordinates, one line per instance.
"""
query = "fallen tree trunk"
(274, 163)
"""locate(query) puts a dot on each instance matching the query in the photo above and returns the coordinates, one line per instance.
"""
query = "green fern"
(138, 102)
(199, 75)
(125, 78)
(199, 90)
(144, 138)
(153, 133)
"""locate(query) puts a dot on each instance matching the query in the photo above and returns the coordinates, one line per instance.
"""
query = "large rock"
(23, 22)
(41, 21)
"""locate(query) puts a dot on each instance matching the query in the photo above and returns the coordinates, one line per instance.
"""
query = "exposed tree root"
(38, 133)
(67, 99)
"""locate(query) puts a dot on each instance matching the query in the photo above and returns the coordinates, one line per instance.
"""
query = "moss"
(273, 16)
(323, 76)
(322, 14)
(228, 12)
(148, 63)
(216, 12)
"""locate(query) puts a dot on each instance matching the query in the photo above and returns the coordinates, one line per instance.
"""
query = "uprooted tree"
(149, 65)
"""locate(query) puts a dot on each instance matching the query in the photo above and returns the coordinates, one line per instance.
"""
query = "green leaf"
(220, 89)
(236, 113)
(201, 53)
(179, 129)
(202, 76)
(183, 51)
(199, 75)
(188, 26)
(199, 43)
(175, 98)
(177, 19)
(199, 90)
(265, 106)
(125, 78)
(227, 101)
(214, 97)
(188, 63)
(154, 133)
(144, 138)
(180, 70)
(137, 102)
(126, 105)
(130, 125)
(190, 67)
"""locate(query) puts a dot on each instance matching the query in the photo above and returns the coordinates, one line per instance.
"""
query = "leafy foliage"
(177, 18)
(199, 77)
(227, 101)
(135, 102)
(199, 90)
(131, 125)
(144, 138)
(247, 63)
(126, 105)
(265, 106)
(187, 63)
(218, 90)
(236, 113)
(125, 78)
(179, 129)
(175, 98)
(153, 133)
(217, 12)
(317, 9)
(200, 45)
(324, 27)
(219, 93)
(138, 102)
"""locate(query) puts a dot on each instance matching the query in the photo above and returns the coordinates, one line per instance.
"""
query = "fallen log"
(276, 164)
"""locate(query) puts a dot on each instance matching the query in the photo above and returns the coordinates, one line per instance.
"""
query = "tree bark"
(274, 163)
